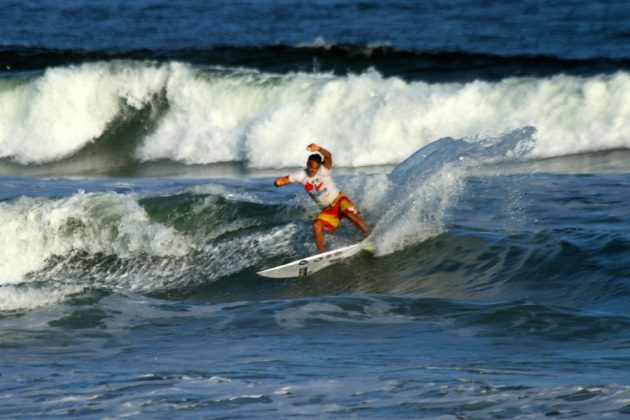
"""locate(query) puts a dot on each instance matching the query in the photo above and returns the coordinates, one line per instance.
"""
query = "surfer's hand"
(280, 181)
(313, 147)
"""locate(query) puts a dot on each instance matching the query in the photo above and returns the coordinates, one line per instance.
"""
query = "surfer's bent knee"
(321, 225)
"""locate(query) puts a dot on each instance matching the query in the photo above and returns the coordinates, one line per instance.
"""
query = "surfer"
(318, 183)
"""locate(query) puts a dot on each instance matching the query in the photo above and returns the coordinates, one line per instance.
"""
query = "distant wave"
(339, 59)
(195, 115)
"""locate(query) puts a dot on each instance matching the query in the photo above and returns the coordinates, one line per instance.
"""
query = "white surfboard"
(310, 265)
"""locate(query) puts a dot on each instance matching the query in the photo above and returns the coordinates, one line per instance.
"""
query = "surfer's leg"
(327, 220)
(318, 231)
(358, 221)
(349, 210)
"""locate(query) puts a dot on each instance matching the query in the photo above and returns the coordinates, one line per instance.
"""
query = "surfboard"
(310, 265)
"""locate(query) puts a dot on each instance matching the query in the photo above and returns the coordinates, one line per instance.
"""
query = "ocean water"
(486, 143)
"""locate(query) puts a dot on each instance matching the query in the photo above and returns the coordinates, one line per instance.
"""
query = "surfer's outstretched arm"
(281, 181)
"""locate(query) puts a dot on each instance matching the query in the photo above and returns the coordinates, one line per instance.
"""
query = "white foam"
(223, 191)
(51, 116)
(318, 42)
(51, 249)
(266, 120)
(419, 213)
(370, 192)
(32, 230)
(370, 120)
(413, 202)
(13, 298)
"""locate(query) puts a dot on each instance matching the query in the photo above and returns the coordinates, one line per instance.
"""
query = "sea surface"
(486, 143)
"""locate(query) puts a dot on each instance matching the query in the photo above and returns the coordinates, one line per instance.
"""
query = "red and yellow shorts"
(331, 215)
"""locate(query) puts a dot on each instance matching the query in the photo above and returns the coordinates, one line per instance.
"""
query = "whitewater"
(199, 115)
(485, 143)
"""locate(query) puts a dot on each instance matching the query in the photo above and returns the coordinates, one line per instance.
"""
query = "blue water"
(486, 145)
(570, 29)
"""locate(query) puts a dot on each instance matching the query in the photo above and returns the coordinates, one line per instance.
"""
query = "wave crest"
(209, 116)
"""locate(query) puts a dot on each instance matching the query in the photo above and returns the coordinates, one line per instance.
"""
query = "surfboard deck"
(310, 265)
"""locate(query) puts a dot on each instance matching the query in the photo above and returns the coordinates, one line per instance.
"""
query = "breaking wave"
(188, 114)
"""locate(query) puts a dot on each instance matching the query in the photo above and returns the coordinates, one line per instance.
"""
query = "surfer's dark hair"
(316, 157)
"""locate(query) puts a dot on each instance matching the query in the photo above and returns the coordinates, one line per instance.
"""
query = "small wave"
(54, 248)
(106, 223)
(470, 318)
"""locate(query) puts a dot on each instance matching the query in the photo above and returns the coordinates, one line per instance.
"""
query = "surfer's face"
(312, 167)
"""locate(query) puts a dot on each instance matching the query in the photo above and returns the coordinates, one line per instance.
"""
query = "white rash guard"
(320, 187)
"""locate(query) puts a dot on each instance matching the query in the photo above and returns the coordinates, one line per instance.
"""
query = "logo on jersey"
(318, 186)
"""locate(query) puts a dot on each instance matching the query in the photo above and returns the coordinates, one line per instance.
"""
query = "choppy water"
(486, 145)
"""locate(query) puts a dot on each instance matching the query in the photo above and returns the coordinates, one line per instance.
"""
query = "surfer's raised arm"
(327, 155)
(316, 162)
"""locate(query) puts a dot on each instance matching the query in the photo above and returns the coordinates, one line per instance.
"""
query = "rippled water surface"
(486, 145)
